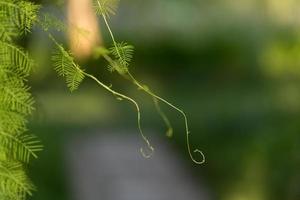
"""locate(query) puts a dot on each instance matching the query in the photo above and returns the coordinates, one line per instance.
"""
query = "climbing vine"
(118, 57)
(17, 146)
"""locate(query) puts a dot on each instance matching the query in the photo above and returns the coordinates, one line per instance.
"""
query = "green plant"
(122, 54)
(118, 57)
(16, 103)
(17, 147)
(66, 66)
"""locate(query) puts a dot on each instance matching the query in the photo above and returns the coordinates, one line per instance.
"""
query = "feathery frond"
(105, 7)
(12, 121)
(15, 57)
(48, 21)
(65, 66)
(18, 14)
(15, 96)
(16, 148)
(20, 146)
(14, 184)
(123, 54)
(7, 32)
(9, 71)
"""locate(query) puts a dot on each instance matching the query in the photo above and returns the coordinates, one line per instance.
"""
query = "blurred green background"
(232, 65)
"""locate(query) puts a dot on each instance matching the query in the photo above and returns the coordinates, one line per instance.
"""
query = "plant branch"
(151, 148)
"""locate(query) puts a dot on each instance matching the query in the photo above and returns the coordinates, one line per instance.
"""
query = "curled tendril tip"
(202, 155)
(147, 155)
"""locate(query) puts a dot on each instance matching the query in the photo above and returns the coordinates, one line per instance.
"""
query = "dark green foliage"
(17, 18)
(14, 182)
(16, 102)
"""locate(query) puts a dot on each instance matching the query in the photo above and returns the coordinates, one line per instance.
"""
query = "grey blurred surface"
(109, 167)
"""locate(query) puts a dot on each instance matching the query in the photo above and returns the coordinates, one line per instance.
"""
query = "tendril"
(147, 90)
(122, 96)
(156, 98)
(169, 132)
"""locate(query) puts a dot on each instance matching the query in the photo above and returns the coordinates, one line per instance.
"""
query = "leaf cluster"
(17, 147)
(17, 18)
(105, 7)
(118, 57)
(122, 54)
(65, 66)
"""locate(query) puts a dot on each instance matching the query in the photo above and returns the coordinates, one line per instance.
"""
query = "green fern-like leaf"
(16, 58)
(15, 96)
(74, 79)
(8, 71)
(105, 7)
(14, 184)
(12, 121)
(123, 54)
(18, 14)
(20, 146)
(7, 32)
(48, 21)
(16, 148)
(65, 66)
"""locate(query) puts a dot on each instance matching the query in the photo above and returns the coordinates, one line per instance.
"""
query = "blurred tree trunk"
(84, 33)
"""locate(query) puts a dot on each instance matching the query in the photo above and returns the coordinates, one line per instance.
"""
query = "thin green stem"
(160, 112)
(108, 28)
(167, 122)
(137, 109)
(156, 97)
(147, 90)
(121, 96)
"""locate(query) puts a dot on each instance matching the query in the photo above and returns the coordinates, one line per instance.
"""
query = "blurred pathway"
(109, 167)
